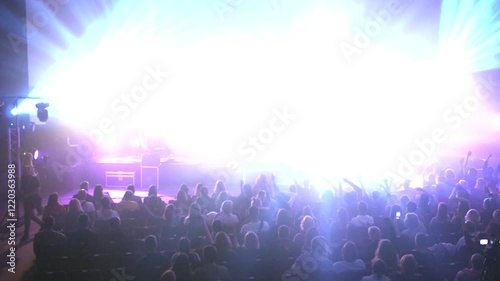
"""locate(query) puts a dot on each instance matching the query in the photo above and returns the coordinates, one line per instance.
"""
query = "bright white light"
(350, 119)
(322, 25)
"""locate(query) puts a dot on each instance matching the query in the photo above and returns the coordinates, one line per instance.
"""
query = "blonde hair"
(28, 160)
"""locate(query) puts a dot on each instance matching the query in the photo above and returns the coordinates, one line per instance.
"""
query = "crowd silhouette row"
(394, 232)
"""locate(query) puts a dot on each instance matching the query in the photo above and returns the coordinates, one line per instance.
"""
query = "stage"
(168, 174)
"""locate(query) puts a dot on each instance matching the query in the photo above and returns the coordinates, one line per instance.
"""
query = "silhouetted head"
(496, 216)
(431, 179)
(83, 220)
(349, 252)
(319, 246)
(284, 232)
(420, 241)
(442, 211)
(374, 233)
(226, 207)
(411, 207)
(168, 275)
(197, 189)
(98, 191)
(469, 227)
(379, 268)
(48, 222)
(411, 220)
(474, 216)
(449, 174)
(153, 191)
(184, 188)
(184, 245)
(209, 253)
(387, 252)
(194, 210)
(251, 241)
(81, 195)
(180, 265)
(307, 223)
(253, 213)
(409, 264)
(342, 215)
(84, 185)
(216, 226)
(169, 212)
(75, 205)
(204, 191)
(362, 208)
(261, 180)
(27, 160)
(114, 222)
(424, 200)
(219, 187)
(480, 184)
(128, 196)
(222, 241)
(477, 261)
(182, 196)
(282, 217)
(150, 243)
(472, 173)
(488, 203)
(105, 203)
(53, 199)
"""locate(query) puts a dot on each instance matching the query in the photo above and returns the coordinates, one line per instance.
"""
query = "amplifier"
(120, 179)
(150, 175)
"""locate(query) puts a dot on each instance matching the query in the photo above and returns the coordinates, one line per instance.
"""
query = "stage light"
(472, 28)
(42, 113)
(11, 110)
(35, 154)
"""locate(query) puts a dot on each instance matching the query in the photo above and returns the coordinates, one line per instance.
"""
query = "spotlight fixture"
(42, 113)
